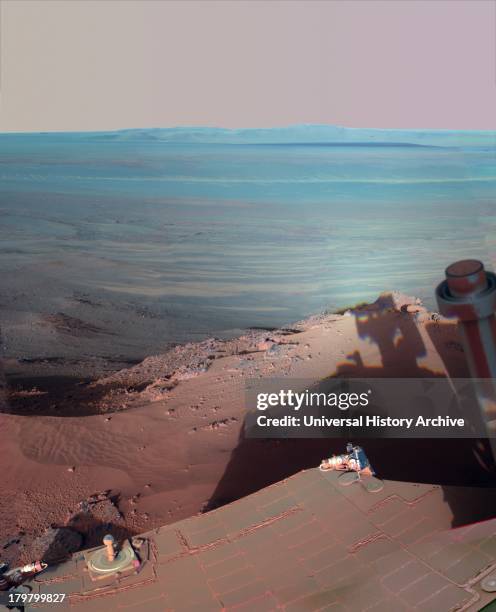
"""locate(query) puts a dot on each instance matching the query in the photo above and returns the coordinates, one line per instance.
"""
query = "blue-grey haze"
(158, 236)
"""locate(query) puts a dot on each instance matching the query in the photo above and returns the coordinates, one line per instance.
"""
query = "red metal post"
(469, 294)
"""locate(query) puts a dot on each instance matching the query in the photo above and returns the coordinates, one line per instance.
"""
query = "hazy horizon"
(243, 129)
(346, 131)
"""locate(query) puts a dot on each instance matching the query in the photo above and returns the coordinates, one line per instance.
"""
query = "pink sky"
(110, 64)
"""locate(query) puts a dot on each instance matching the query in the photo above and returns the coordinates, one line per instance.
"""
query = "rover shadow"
(256, 463)
(82, 532)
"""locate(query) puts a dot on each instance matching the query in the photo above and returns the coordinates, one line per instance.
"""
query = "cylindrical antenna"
(109, 542)
(469, 294)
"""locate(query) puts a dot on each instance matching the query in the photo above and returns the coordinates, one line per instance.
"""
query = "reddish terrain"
(163, 440)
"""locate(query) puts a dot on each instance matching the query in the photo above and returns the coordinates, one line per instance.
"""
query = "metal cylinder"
(469, 294)
(109, 542)
(466, 277)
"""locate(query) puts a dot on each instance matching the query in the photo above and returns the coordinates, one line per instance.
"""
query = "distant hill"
(324, 135)
(311, 134)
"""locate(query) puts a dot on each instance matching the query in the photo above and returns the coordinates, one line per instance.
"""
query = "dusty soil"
(164, 440)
